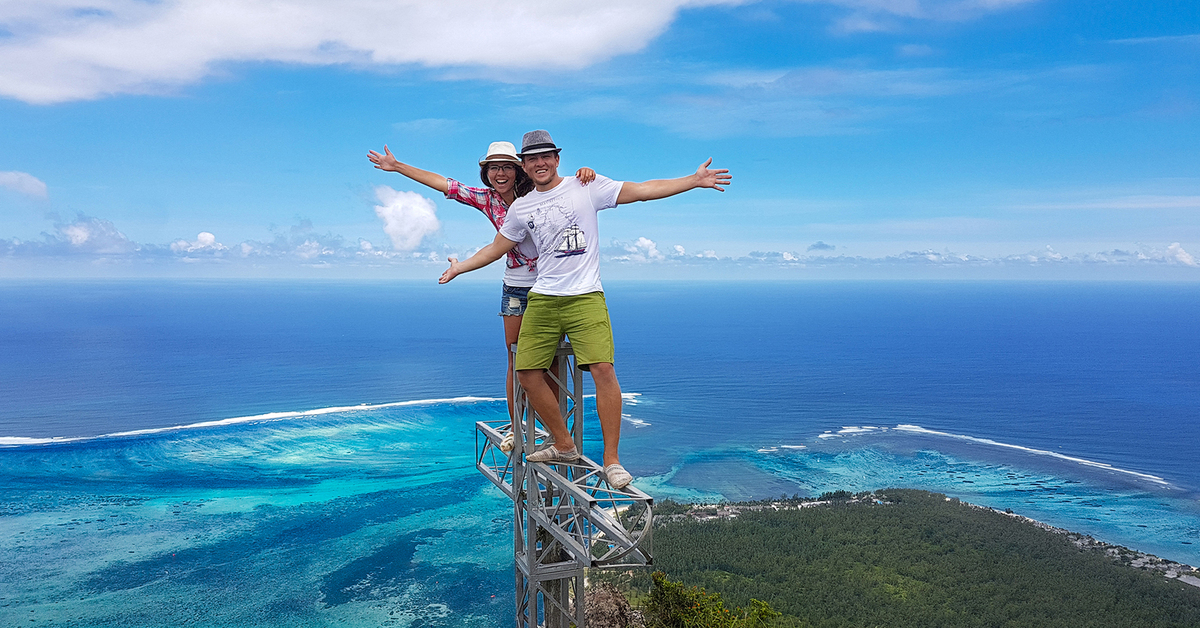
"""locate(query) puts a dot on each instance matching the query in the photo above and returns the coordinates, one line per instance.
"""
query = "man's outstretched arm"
(485, 256)
(662, 188)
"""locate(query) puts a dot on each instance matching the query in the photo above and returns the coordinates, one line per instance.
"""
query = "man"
(560, 216)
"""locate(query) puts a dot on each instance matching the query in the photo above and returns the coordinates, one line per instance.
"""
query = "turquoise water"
(251, 488)
(356, 518)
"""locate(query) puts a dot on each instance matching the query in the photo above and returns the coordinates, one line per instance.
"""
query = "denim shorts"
(514, 300)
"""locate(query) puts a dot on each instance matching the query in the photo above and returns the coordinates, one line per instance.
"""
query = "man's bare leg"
(544, 400)
(608, 407)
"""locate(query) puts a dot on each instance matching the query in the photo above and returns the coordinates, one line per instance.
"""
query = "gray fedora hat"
(535, 142)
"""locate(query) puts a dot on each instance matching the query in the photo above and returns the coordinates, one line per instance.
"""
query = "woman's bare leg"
(512, 329)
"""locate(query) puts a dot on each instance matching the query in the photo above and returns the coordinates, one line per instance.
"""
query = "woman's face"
(502, 175)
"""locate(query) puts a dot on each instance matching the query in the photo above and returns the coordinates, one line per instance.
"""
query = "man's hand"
(451, 272)
(706, 178)
(662, 188)
(387, 161)
(481, 258)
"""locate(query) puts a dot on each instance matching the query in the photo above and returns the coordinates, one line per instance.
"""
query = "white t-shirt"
(525, 273)
(562, 224)
(522, 259)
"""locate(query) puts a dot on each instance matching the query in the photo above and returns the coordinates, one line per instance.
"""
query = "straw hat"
(500, 151)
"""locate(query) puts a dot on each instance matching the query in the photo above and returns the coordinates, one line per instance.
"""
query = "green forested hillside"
(918, 561)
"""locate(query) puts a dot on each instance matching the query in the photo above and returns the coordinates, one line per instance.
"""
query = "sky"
(866, 138)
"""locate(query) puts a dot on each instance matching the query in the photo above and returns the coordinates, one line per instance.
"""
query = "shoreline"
(1143, 561)
(1134, 559)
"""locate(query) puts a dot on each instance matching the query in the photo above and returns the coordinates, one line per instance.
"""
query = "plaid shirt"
(489, 202)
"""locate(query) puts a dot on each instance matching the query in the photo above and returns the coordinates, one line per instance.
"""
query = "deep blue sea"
(302, 453)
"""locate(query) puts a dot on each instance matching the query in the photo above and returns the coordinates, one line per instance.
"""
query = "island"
(904, 557)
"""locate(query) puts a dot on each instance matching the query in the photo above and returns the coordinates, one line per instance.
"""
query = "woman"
(500, 170)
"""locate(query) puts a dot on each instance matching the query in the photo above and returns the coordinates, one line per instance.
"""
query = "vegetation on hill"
(909, 558)
(674, 605)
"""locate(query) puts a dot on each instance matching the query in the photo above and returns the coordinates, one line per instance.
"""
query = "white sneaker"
(617, 476)
(552, 454)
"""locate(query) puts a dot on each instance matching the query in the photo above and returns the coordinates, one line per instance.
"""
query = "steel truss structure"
(566, 517)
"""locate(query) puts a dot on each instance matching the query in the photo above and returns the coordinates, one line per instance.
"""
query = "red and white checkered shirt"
(489, 202)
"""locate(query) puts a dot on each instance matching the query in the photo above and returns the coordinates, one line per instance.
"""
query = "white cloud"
(23, 183)
(92, 239)
(646, 248)
(62, 50)
(642, 250)
(818, 81)
(407, 217)
(1165, 39)
(94, 236)
(880, 15)
(1142, 256)
(205, 242)
(744, 78)
(1177, 254)
(1051, 254)
(825, 100)
(427, 126)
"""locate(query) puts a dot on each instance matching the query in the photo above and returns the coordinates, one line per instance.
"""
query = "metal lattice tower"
(566, 517)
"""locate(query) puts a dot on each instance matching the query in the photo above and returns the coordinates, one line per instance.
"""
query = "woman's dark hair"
(523, 186)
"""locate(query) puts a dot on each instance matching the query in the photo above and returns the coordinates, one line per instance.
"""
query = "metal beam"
(566, 517)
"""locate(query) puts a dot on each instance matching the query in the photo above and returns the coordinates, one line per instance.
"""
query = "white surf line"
(625, 396)
(851, 430)
(768, 449)
(269, 416)
(917, 429)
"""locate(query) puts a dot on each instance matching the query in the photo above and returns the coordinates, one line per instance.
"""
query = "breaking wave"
(16, 441)
(850, 431)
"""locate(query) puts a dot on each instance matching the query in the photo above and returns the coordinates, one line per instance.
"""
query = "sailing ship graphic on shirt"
(572, 242)
(555, 229)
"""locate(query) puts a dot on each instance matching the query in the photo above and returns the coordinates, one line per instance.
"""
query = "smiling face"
(502, 175)
(542, 168)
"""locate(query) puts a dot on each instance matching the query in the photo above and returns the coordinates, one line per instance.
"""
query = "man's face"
(542, 167)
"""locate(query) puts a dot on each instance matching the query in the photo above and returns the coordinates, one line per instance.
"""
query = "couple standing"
(550, 234)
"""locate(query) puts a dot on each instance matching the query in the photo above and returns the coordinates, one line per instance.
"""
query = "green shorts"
(583, 318)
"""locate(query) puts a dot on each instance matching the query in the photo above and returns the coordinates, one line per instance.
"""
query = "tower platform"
(566, 516)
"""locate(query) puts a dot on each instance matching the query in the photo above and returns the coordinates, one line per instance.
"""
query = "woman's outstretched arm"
(387, 161)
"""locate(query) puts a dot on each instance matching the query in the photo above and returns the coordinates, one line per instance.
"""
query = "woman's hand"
(585, 175)
(386, 161)
(451, 272)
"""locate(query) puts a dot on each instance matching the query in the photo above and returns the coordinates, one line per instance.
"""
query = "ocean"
(251, 453)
